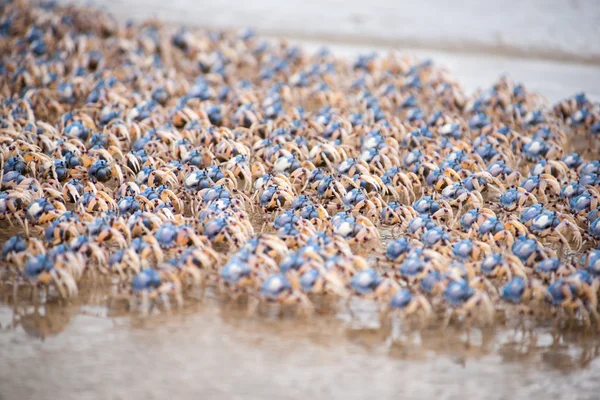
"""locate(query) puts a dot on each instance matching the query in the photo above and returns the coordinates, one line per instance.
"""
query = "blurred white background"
(546, 28)
(551, 45)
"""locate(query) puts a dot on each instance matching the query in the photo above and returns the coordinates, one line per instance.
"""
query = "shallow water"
(78, 352)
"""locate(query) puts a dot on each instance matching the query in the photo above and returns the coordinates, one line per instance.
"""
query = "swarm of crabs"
(166, 159)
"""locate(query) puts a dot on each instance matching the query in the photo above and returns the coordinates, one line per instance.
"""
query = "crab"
(552, 226)
(413, 268)
(278, 288)
(537, 149)
(552, 168)
(359, 201)
(12, 202)
(397, 249)
(328, 187)
(420, 224)
(64, 228)
(319, 281)
(296, 234)
(286, 217)
(419, 261)
(274, 198)
(369, 284)
(328, 245)
(271, 179)
(396, 213)
(467, 303)
(432, 282)
(14, 249)
(240, 168)
(159, 198)
(95, 202)
(288, 164)
(402, 185)
(404, 304)
(326, 154)
(58, 170)
(239, 278)
(380, 158)
(591, 261)
(42, 270)
(355, 229)
(227, 148)
(435, 238)
(515, 199)
(458, 195)
(198, 180)
(11, 179)
(152, 176)
(304, 259)
(482, 182)
(524, 293)
(43, 210)
(73, 190)
(345, 265)
(218, 192)
(228, 229)
(352, 166)
(572, 161)
(153, 286)
(440, 178)
(538, 185)
(520, 290)
(267, 245)
(576, 294)
(581, 205)
(125, 262)
(470, 250)
(497, 265)
(472, 219)
(102, 171)
(426, 205)
(370, 183)
(529, 250)
(92, 251)
(316, 214)
(551, 268)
